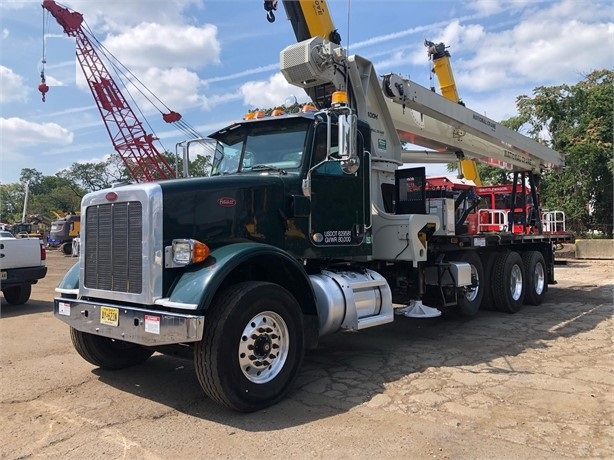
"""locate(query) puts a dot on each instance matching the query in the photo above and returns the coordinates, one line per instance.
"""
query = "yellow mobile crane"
(442, 68)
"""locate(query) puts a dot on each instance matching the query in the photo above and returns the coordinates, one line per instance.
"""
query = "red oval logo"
(226, 202)
(111, 196)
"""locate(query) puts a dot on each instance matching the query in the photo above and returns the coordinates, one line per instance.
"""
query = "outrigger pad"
(417, 310)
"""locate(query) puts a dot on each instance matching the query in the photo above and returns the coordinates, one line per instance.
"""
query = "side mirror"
(348, 128)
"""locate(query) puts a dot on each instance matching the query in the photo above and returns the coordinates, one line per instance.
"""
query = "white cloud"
(549, 46)
(5, 33)
(177, 87)
(19, 132)
(11, 87)
(488, 7)
(270, 93)
(150, 44)
(13, 4)
(115, 15)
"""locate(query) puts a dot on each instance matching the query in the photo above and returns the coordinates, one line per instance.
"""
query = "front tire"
(535, 277)
(252, 347)
(17, 295)
(508, 284)
(108, 353)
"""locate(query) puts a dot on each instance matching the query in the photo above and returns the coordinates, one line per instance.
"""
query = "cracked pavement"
(536, 384)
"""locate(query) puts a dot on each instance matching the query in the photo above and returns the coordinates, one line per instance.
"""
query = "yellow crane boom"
(442, 68)
(308, 18)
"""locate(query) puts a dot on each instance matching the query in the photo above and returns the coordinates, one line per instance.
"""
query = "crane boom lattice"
(133, 144)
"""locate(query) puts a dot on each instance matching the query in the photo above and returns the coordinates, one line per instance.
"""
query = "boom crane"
(310, 225)
(417, 115)
(133, 144)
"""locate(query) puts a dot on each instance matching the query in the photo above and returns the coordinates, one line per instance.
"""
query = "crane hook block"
(270, 16)
(43, 88)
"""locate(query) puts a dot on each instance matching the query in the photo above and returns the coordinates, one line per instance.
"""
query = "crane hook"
(270, 6)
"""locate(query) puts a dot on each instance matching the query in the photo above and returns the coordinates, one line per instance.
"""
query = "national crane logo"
(226, 202)
(491, 124)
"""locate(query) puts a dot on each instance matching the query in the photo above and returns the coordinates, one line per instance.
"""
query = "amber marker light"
(200, 251)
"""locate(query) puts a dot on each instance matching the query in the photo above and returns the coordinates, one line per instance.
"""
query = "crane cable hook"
(42, 86)
(270, 6)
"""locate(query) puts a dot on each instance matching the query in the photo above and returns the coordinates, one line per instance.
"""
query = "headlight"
(188, 251)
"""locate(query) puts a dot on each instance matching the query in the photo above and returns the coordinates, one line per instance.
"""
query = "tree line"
(577, 119)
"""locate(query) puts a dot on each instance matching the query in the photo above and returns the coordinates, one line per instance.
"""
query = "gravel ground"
(537, 384)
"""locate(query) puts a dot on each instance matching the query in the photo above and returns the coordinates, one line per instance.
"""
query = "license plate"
(3, 275)
(109, 316)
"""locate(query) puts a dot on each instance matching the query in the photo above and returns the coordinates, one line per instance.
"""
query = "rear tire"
(508, 285)
(252, 347)
(488, 261)
(536, 284)
(108, 353)
(17, 295)
(469, 304)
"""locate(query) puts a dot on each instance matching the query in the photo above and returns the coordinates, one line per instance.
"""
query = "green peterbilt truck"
(309, 224)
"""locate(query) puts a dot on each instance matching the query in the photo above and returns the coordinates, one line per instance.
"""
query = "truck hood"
(224, 209)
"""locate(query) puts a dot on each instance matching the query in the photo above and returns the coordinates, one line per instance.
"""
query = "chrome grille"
(113, 247)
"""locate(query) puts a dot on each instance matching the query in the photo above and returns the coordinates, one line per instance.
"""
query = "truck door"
(340, 210)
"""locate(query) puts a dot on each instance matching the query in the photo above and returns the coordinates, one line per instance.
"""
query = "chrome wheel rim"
(264, 347)
(472, 293)
(516, 282)
(540, 279)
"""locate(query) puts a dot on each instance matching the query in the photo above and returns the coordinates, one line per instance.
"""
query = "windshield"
(261, 147)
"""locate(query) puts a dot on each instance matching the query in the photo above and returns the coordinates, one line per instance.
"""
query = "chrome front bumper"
(130, 324)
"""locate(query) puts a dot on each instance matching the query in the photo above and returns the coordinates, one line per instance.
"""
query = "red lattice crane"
(132, 143)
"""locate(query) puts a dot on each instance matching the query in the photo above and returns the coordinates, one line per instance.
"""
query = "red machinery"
(132, 143)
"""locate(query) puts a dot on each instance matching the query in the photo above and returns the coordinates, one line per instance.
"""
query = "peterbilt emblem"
(226, 202)
(111, 196)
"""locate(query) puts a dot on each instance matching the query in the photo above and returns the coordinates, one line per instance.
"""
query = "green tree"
(58, 195)
(11, 202)
(89, 177)
(46, 194)
(579, 122)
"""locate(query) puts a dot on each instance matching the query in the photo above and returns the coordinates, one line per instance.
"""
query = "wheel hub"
(263, 347)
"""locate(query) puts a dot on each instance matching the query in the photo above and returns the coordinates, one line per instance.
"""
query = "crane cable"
(127, 74)
(42, 86)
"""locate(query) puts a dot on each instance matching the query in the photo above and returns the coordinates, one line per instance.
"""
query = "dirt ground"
(537, 384)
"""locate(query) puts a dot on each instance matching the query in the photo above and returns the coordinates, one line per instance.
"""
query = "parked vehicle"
(22, 264)
(63, 231)
(248, 268)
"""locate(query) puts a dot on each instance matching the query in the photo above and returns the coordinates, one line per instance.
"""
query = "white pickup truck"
(22, 264)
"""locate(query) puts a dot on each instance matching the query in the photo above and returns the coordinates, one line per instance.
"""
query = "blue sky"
(212, 60)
